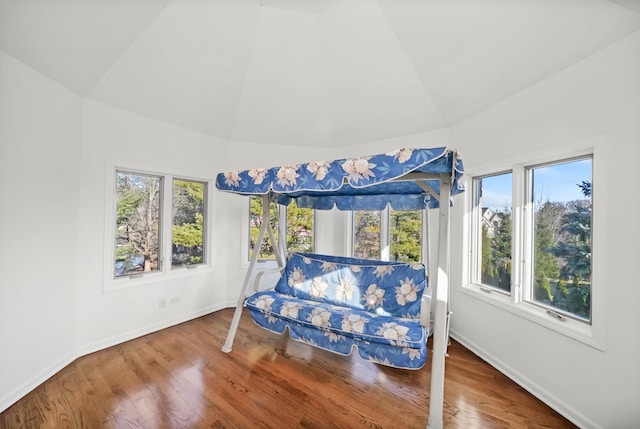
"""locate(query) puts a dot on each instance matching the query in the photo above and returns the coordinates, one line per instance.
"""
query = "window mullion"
(476, 230)
(385, 234)
(519, 213)
(528, 220)
(166, 222)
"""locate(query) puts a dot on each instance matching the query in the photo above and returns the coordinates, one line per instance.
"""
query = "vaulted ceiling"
(308, 72)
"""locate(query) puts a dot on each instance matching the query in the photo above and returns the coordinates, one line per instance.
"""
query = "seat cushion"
(379, 287)
(273, 310)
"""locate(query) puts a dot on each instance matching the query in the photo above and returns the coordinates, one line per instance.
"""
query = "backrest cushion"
(381, 287)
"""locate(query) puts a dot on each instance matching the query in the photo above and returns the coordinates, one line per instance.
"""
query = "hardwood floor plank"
(180, 378)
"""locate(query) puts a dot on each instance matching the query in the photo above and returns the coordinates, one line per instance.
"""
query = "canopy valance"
(408, 179)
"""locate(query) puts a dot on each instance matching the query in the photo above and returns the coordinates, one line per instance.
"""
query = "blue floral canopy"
(407, 179)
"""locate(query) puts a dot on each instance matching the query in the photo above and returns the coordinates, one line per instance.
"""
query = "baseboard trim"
(37, 380)
(136, 333)
(530, 386)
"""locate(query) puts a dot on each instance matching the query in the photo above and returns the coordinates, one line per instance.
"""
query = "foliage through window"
(402, 242)
(406, 236)
(299, 225)
(139, 235)
(299, 228)
(492, 195)
(560, 195)
(554, 236)
(187, 235)
(366, 234)
(137, 223)
(255, 222)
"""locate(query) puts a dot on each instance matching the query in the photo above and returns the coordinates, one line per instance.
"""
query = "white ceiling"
(308, 72)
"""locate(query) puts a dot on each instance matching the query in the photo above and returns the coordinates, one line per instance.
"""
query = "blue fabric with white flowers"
(336, 303)
(364, 183)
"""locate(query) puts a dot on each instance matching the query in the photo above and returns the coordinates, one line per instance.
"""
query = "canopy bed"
(405, 179)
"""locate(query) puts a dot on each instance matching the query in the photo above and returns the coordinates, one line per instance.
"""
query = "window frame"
(110, 282)
(518, 303)
(475, 262)
(205, 225)
(161, 198)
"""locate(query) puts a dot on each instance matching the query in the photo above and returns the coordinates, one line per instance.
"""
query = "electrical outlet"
(162, 302)
(175, 300)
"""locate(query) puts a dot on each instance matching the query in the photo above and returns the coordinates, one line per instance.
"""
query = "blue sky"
(551, 182)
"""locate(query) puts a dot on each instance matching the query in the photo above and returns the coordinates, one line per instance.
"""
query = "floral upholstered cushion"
(336, 303)
(387, 340)
(338, 320)
(379, 287)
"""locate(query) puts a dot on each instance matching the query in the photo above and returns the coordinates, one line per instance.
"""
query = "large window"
(187, 235)
(141, 238)
(560, 236)
(299, 228)
(137, 223)
(405, 230)
(492, 195)
(387, 235)
(547, 228)
(366, 234)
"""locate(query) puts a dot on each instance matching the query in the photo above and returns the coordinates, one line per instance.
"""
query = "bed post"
(441, 295)
(266, 223)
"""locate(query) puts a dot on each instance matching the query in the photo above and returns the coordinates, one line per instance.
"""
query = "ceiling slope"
(374, 91)
(284, 94)
(74, 42)
(308, 72)
(187, 67)
(472, 54)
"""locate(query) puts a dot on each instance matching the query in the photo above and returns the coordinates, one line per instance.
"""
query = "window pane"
(406, 235)
(299, 229)
(492, 195)
(366, 234)
(561, 197)
(137, 223)
(255, 221)
(187, 235)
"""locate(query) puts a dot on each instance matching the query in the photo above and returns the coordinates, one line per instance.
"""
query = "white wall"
(39, 172)
(114, 138)
(596, 99)
(57, 153)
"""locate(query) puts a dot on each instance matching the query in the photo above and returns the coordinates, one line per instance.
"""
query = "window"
(299, 228)
(387, 235)
(255, 222)
(548, 226)
(137, 223)
(366, 234)
(560, 241)
(406, 236)
(492, 196)
(142, 238)
(187, 235)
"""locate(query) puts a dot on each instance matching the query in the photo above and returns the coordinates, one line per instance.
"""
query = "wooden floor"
(179, 378)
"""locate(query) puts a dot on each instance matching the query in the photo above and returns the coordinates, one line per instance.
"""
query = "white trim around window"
(165, 272)
(517, 302)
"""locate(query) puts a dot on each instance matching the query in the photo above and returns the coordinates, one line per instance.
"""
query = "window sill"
(574, 329)
(125, 282)
(265, 264)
